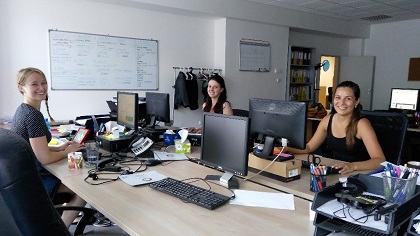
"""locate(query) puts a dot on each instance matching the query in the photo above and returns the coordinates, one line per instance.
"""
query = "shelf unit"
(300, 79)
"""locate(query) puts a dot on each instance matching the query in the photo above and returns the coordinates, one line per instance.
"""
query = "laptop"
(112, 106)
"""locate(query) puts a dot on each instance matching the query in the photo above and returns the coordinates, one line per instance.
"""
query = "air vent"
(376, 18)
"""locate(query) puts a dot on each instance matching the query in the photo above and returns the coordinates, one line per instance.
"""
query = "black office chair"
(26, 208)
(240, 112)
(391, 130)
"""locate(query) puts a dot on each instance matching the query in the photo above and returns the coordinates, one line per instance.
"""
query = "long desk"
(299, 188)
(144, 211)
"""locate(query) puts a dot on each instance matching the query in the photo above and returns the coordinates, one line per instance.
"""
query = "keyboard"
(190, 193)
(330, 170)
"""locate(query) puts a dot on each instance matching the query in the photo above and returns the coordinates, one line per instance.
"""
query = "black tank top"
(339, 150)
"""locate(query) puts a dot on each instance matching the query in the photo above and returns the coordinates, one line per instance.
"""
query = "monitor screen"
(224, 145)
(274, 120)
(404, 99)
(127, 110)
(157, 107)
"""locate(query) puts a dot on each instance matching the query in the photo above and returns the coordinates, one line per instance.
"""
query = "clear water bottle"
(48, 124)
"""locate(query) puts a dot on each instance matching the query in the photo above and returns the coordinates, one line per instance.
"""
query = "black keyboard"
(190, 193)
(330, 170)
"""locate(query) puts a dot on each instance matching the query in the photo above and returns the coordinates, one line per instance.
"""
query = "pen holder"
(317, 182)
(398, 190)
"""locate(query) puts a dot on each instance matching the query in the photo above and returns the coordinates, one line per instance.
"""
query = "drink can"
(75, 160)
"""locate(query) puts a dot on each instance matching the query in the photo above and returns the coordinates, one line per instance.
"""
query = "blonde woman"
(29, 123)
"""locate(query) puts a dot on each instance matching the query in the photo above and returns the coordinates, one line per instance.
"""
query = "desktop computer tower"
(114, 145)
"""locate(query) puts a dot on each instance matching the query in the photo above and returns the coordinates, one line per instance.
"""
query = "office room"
(198, 34)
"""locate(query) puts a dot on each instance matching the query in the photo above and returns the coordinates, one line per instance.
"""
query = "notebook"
(142, 178)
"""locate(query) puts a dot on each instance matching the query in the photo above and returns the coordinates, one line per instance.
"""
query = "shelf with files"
(300, 81)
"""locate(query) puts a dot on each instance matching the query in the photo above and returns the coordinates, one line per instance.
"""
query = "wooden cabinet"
(300, 81)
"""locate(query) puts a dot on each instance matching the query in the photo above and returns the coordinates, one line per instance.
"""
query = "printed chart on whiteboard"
(90, 61)
(254, 55)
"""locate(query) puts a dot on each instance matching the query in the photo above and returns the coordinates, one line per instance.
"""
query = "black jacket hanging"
(192, 90)
(181, 94)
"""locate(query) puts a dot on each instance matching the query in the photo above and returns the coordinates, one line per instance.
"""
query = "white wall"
(393, 44)
(182, 41)
(187, 37)
(243, 85)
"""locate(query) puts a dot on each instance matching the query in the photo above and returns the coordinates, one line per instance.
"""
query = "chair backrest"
(23, 196)
(391, 130)
(240, 112)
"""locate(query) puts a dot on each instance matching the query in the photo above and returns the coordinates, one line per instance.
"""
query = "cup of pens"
(318, 180)
(398, 189)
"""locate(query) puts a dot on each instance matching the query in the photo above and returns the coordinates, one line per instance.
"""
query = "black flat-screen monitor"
(158, 108)
(127, 110)
(224, 146)
(273, 120)
(404, 99)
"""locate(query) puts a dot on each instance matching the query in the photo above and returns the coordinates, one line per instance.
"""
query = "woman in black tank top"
(349, 137)
(216, 100)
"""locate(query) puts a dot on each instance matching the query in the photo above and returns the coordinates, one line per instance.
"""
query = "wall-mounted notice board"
(254, 55)
(91, 61)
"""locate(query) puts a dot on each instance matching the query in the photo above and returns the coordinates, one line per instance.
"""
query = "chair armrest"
(88, 213)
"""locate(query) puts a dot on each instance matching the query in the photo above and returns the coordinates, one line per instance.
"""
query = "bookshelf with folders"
(300, 86)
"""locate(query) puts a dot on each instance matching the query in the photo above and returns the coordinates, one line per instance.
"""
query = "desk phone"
(140, 145)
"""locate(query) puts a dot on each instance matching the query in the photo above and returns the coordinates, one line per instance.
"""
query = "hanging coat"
(192, 90)
(181, 94)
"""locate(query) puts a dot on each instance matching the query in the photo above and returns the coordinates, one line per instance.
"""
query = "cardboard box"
(284, 171)
(184, 147)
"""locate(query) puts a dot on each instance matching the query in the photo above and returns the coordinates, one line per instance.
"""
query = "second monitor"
(158, 108)
(277, 119)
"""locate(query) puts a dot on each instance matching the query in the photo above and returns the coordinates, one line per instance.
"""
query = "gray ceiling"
(362, 11)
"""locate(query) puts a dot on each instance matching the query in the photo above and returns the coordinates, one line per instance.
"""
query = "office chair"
(240, 112)
(391, 130)
(26, 208)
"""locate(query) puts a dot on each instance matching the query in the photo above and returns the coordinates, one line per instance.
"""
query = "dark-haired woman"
(217, 96)
(350, 137)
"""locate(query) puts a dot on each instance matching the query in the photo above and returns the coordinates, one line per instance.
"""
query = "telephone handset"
(141, 145)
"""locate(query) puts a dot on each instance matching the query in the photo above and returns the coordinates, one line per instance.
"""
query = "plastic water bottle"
(48, 124)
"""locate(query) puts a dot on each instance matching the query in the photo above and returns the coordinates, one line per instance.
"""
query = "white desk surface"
(144, 211)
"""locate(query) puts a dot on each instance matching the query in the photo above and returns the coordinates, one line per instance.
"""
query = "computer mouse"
(152, 162)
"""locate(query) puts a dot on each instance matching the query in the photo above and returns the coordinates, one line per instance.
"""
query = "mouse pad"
(142, 178)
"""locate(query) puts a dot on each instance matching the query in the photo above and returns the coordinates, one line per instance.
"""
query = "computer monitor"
(127, 110)
(157, 107)
(224, 146)
(276, 119)
(404, 99)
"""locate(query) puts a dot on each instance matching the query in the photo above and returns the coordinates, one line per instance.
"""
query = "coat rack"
(190, 69)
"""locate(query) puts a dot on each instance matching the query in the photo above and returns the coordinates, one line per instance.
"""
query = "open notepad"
(142, 178)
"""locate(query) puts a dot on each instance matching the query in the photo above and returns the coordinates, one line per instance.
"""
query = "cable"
(275, 159)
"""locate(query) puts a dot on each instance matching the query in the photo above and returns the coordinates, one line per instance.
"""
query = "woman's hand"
(345, 167)
(73, 147)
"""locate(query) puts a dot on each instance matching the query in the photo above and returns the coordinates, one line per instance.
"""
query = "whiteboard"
(91, 62)
(254, 55)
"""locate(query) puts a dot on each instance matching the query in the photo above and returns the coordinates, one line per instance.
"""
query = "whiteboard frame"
(263, 49)
(98, 85)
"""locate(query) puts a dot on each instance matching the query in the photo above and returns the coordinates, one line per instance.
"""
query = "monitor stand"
(227, 180)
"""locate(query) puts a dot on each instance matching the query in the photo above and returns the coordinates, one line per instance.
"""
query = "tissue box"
(184, 147)
(168, 139)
